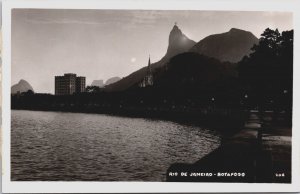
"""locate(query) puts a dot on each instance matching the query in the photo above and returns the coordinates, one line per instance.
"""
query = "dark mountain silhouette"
(230, 46)
(195, 72)
(178, 43)
(22, 86)
(112, 80)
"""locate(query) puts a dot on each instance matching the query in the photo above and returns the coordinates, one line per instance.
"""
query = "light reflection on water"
(92, 147)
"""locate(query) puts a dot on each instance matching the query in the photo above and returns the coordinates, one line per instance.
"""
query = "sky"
(100, 44)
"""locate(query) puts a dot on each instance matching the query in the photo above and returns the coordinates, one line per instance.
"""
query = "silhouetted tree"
(93, 89)
(268, 72)
(27, 93)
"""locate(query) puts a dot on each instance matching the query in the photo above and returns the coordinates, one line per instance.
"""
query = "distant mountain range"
(98, 83)
(184, 56)
(21, 86)
(112, 80)
(230, 46)
(109, 81)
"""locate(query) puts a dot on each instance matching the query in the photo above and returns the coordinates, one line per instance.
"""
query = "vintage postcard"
(133, 96)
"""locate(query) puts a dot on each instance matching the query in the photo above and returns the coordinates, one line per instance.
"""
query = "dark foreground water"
(79, 147)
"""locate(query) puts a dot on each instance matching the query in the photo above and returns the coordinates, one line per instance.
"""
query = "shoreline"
(259, 153)
(226, 121)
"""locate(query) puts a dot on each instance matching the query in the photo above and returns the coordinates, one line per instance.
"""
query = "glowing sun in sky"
(133, 59)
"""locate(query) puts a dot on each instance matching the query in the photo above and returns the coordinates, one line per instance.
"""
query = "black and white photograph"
(151, 95)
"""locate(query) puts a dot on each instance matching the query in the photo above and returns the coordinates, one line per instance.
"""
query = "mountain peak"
(21, 86)
(236, 30)
(175, 34)
(175, 29)
(23, 81)
(178, 42)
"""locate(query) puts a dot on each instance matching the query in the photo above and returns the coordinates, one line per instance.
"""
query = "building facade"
(80, 84)
(68, 84)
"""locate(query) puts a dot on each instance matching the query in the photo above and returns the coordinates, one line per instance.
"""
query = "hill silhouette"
(230, 46)
(193, 76)
(20, 87)
(193, 70)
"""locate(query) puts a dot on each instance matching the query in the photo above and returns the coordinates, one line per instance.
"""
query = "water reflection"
(74, 146)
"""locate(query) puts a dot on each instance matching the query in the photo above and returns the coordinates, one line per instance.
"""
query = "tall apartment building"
(68, 84)
(80, 84)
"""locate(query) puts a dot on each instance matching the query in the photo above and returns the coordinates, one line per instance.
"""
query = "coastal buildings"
(80, 84)
(148, 79)
(68, 84)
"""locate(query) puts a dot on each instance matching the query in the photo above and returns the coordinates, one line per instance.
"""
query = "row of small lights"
(246, 95)
(213, 98)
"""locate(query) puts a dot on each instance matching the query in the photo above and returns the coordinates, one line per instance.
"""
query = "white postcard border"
(118, 187)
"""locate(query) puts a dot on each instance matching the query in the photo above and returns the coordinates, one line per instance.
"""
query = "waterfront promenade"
(260, 152)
